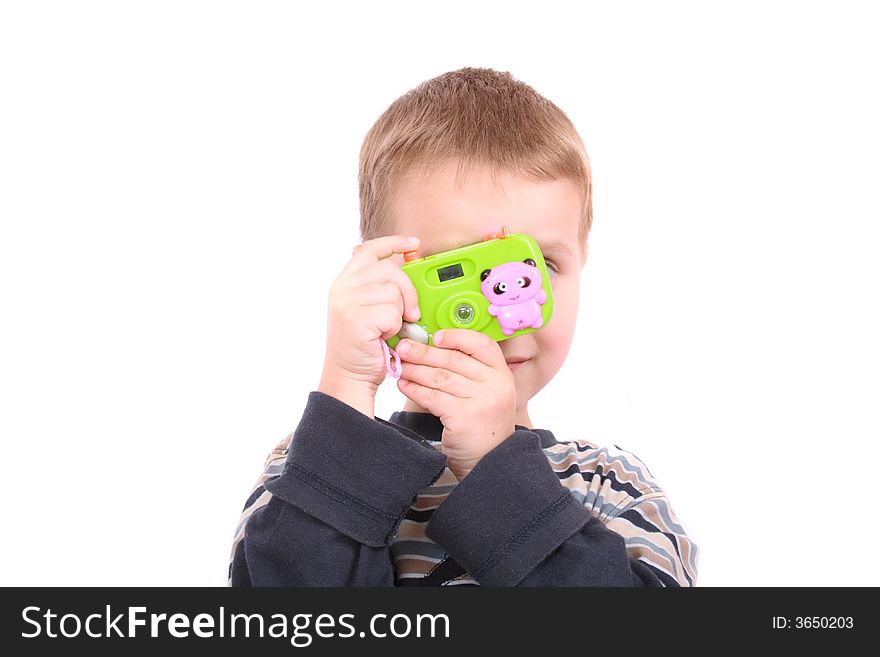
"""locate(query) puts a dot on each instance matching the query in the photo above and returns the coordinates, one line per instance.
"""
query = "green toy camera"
(499, 286)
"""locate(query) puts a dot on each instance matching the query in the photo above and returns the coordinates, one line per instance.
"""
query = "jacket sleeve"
(328, 516)
(510, 522)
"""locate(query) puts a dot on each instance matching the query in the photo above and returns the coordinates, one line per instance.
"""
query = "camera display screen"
(450, 272)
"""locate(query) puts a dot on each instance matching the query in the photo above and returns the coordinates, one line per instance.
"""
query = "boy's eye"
(552, 266)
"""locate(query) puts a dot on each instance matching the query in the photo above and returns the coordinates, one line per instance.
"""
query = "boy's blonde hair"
(471, 117)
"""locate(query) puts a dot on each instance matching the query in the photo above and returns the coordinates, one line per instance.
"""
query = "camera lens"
(464, 313)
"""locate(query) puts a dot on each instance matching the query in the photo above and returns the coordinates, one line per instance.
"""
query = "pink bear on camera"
(515, 292)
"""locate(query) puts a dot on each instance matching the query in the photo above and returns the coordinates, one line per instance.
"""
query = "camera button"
(413, 332)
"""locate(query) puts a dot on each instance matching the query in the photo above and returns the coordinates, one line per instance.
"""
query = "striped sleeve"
(654, 537)
(618, 489)
(259, 496)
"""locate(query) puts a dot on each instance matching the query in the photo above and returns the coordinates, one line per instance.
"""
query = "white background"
(178, 190)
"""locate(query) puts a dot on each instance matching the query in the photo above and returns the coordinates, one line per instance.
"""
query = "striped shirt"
(611, 484)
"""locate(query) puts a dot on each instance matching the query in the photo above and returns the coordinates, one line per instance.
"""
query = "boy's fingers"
(378, 249)
(377, 294)
(475, 344)
(444, 359)
(438, 378)
(436, 401)
(388, 272)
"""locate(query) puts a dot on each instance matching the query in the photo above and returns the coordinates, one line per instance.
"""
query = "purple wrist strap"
(397, 369)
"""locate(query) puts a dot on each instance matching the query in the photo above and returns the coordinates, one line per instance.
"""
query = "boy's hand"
(368, 301)
(465, 381)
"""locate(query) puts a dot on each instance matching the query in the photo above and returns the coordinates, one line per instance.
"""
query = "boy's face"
(445, 214)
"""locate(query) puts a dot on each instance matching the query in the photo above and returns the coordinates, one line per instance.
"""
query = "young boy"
(459, 487)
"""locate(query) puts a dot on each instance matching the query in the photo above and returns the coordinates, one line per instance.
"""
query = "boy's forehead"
(446, 210)
(547, 245)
